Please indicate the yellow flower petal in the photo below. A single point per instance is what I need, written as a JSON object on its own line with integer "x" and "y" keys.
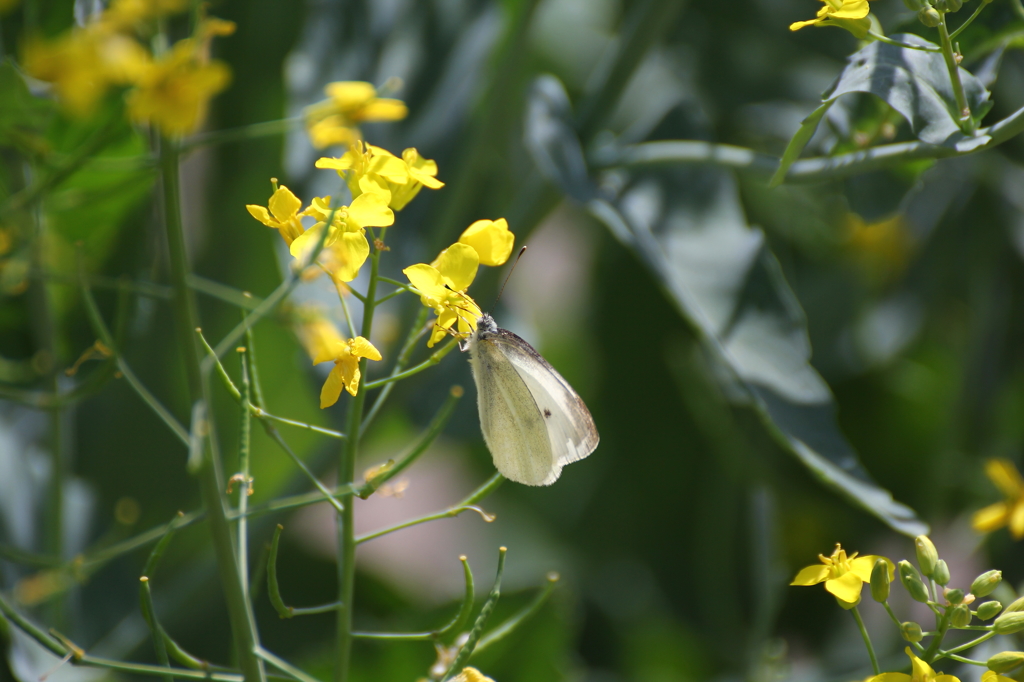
{"x": 370, "y": 210}
{"x": 348, "y": 255}
{"x": 852, "y": 9}
{"x": 422, "y": 170}
{"x": 458, "y": 265}
{"x": 991, "y": 517}
{"x": 331, "y": 390}
{"x": 350, "y": 94}
{"x": 1017, "y": 520}
{"x": 951, "y": 678}
{"x": 362, "y": 348}
{"x": 890, "y": 677}
{"x": 846, "y": 587}
{"x": 350, "y": 373}
{"x": 427, "y": 280}
{"x": 920, "y": 671}
{"x": 283, "y": 204}
{"x": 491, "y": 239}
{"x": 987, "y": 676}
{"x": 302, "y": 246}
{"x": 384, "y": 109}
{"x": 863, "y": 565}
{"x": 797, "y": 25}
{"x": 812, "y": 575}
{"x": 471, "y": 675}
{"x": 1004, "y": 475}
{"x": 261, "y": 214}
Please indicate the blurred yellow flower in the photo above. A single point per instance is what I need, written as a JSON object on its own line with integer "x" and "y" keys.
{"x": 283, "y": 215}
{"x": 367, "y": 168}
{"x": 336, "y": 120}
{"x": 345, "y": 373}
{"x": 849, "y": 14}
{"x": 174, "y": 92}
{"x": 843, "y": 576}
{"x": 471, "y": 675}
{"x": 993, "y": 676}
{"x": 491, "y": 239}
{"x": 345, "y": 245}
{"x": 442, "y": 287}
{"x": 920, "y": 672}
{"x": 883, "y": 248}
{"x": 1010, "y": 512}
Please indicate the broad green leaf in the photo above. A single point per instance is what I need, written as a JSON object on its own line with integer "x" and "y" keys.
{"x": 688, "y": 227}
{"x": 914, "y": 83}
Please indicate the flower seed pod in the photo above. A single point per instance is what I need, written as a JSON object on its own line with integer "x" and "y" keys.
{"x": 954, "y": 596}
{"x": 880, "y": 581}
{"x": 1015, "y": 605}
{"x": 1009, "y": 623}
{"x": 927, "y": 556}
{"x": 985, "y": 583}
{"x": 941, "y": 574}
{"x": 989, "y": 610}
{"x": 929, "y": 17}
{"x": 912, "y": 582}
{"x": 960, "y": 616}
{"x": 911, "y": 631}
{"x": 1006, "y": 661}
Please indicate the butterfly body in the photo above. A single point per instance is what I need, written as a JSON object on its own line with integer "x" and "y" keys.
{"x": 533, "y": 421}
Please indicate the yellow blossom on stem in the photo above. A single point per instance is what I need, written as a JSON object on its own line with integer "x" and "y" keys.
{"x": 174, "y": 92}
{"x": 367, "y": 168}
{"x": 844, "y": 576}
{"x": 491, "y": 239}
{"x": 345, "y": 246}
{"x": 283, "y": 215}
{"x": 336, "y": 120}
{"x": 471, "y": 675}
{"x": 345, "y": 373}
{"x": 849, "y": 14}
{"x": 992, "y": 676}
{"x": 442, "y": 287}
{"x": 1010, "y": 512}
{"x": 920, "y": 672}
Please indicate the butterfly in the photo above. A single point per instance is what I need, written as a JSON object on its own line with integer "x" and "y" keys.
{"x": 533, "y": 422}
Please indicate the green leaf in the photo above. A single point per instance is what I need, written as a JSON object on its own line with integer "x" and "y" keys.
{"x": 21, "y": 113}
{"x": 687, "y": 226}
{"x": 799, "y": 141}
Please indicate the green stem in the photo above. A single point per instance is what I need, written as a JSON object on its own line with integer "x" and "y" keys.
{"x": 965, "y": 119}
{"x": 867, "y": 638}
{"x": 481, "y": 620}
{"x": 346, "y": 475}
{"x": 506, "y": 628}
{"x": 981, "y": 6}
{"x": 253, "y": 131}
{"x": 245, "y": 484}
{"x": 1018, "y": 8}
{"x": 417, "y": 330}
{"x": 449, "y": 513}
{"x": 961, "y": 659}
{"x": 936, "y": 643}
{"x": 974, "y": 642}
{"x": 243, "y": 625}
{"x": 889, "y": 41}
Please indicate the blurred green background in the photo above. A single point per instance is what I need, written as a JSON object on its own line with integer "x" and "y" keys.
{"x": 676, "y": 539}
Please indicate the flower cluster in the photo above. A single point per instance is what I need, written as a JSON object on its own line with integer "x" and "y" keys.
{"x": 849, "y": 14}
{"x": 170, "y": 91}
{"x": 335, "y": 121}
{"x": 929, "y": 583}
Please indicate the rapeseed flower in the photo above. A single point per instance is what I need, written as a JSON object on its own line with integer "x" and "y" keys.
{"x": 920, "y": 672}
{"x": 283, "y": 214}
{"x": 345, "y": 374}
{"x": 491, "y": 240}
{"x": 345, "y": 246}
{"x": 367, "y": 168}
{"x": 471, "y": 675}
{"x": 849, "y": 14}
{"x": 349, "y": 103}
{"x": 1010, "y": 512}
{"x": 442, "y": 287}
{"x": 844, "y": 576}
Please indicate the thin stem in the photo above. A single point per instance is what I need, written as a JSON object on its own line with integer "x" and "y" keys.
{"x": 242, "y": 299}
{"x": 243, "y": 625}
{"x": 974, "y": 642}
{"x": 284, "y": 666}
{"x": 961, "y": 659}
{"x": 515, "y": 621}
{"x": 481, "y": 620}
{"x": 399, "y": 636}
{"x": 446, "y": 514}
{"x": 867, "y": 638}
{"x": 981, "y": 6}
{"x": 249, "y": 132}
{"x": 245, "y": 483}
{"x": 260, "y": 413}
{"x": 967, "y": 123}
{"x": 889, "y": 41}
{"x": 417, "y": 330}
{"x": 936, "y": 643}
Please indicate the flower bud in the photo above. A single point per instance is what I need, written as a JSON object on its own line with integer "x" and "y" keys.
{"x": 912, "y": 582}
{"x": 960, "y": 617}
{"x": 989, "y": 610}
{"x": 1009, "y": 623}
{"x": 954, "y": 596}
{"x": 1015, "y": 605}
{"x": 929, "y": 17}
{"x": 941, "y": 574}
{"x": 949, "y": 5}
{"x": 985, "y": 583}
{"x": 913, "y": 5}
{"x": 1005, "y": 661}
{"x": 911, "y": 631}
{"x": 927, "y": 555}
{"x": 880, "y": 580}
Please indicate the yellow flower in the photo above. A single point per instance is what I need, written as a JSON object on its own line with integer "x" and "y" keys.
{"x": 471, "y": 675}
{"x": 345, "y": 373}
{"x": 283, "y": 215}
{"x": 173, "y": 93}
{"x": 349, "y": 103}
{"x": 345, "y": 246}
{"x": 849, "y": 14}
{"x": 843, "y": 576}
{"x": 992, "y": 676}
{"x": 491, "y": 240}
{"x": 442, "y": 286}
{"x": 367, "y": 168}
{"x": 920, "y": 672}
{"x": 1010, "y": 512}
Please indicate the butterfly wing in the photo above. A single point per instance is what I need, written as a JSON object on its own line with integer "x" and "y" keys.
{"x": 570, "y": 427}
{"x": 512, "y": 424}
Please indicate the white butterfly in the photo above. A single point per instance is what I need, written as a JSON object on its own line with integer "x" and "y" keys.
{"x": 533, "y": 422}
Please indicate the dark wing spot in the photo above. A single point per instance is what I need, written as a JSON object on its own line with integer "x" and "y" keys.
{"x": 547, "y": 412}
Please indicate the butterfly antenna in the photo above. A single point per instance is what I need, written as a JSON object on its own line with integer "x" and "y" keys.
{"x": 508, "y": 276}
